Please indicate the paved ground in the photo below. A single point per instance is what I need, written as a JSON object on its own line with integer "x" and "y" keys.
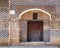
{"x": 30, "y": 47}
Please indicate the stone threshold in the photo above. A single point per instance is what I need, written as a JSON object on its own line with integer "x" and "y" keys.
{"x": 35, "y": 43}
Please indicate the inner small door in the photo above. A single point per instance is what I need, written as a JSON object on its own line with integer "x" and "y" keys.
{"x": 35, "y": 31}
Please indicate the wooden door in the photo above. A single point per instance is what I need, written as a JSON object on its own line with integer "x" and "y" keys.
{"x": 35, "y": 31}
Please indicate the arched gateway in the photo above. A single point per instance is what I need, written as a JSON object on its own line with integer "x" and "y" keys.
{"x": 32, "y": 25}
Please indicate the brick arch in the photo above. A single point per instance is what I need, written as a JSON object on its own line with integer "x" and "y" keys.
{"x": 20, "y": 15}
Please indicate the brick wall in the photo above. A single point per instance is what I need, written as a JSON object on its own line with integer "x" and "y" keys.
{"x": 51, "y": 6}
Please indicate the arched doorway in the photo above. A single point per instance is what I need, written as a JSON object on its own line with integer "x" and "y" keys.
{"x": 33, "y": 24}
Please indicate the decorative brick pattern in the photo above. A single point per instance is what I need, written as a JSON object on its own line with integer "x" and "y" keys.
{"x": 23, "y": 5}
{"x": 4, "y": 33}
{"x": 4, "y": 13}
{"x": 4, "y": 18}
{"x": 4, "y": 26}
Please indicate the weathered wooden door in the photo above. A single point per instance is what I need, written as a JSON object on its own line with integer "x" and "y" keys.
{"x": 35, "y": 31}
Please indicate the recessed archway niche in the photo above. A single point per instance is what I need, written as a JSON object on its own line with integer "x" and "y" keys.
{"x": 27, "y": 17}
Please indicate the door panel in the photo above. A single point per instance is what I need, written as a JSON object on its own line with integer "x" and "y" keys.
{"x": 35, "y": 31}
